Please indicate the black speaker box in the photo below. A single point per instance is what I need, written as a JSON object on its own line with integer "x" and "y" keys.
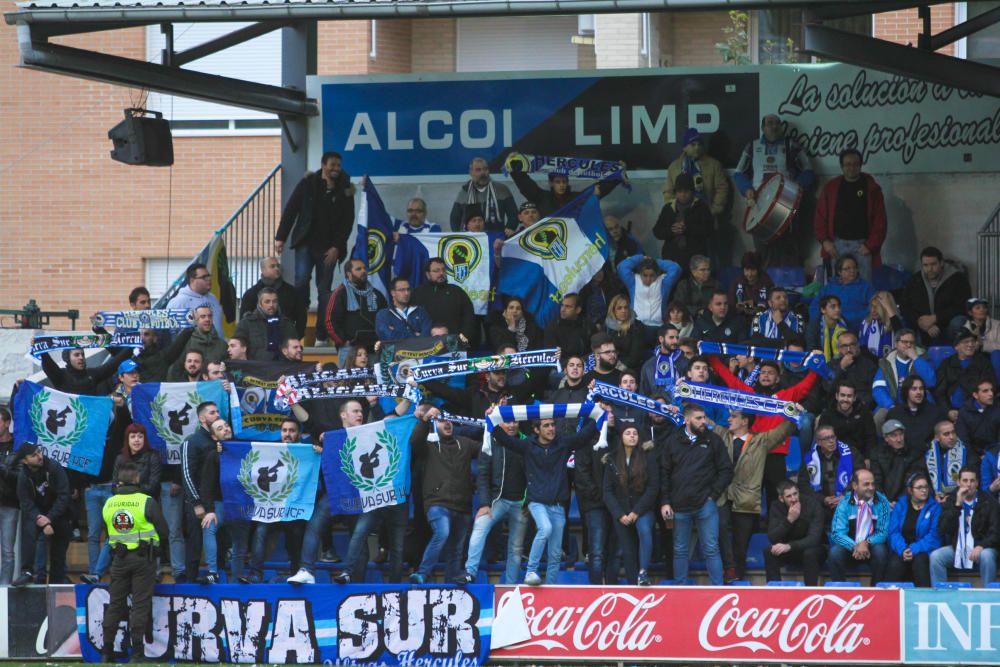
{"x": 142, "y": 138}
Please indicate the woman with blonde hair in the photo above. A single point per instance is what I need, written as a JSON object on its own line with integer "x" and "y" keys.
{"x": 626, "y": 332}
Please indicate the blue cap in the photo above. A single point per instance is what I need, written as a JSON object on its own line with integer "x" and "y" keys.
{"x": 127, "y": 366}
{"x": 691, "y": 134}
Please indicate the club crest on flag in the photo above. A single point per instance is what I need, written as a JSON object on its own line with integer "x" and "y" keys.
{"x": 269, "y": 475}
{"x": 546, "y": 239}
{"x": 376, "y": 250}
{"x": 374, "y": 468}
{"x": 173, "y": 416}
{"x": 461, "y": 256}
{"x": 57, "y": 419}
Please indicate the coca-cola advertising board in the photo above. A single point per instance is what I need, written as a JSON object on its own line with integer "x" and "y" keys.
{"x": 797, "y": 625}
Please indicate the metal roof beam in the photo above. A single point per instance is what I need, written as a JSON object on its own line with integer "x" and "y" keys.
{"x": 168, "y": 80}
{"x": 848, "y": 10}
{"x": 955, "y": 33}
{"x": 225, "y": 41}
{"x": 904, "y": 60}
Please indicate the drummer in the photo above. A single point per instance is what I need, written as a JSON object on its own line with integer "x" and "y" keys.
{"x": 773, "y": 153}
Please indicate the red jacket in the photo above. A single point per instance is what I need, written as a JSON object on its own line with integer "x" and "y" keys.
{"x": 764, "y": 423}
{"x": 826, "y": 209}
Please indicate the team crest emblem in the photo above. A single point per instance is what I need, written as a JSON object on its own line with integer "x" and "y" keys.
{"x": 374, "y": 468}
{"x": 122, "y": 521}
{"x": 57, "y": 419}
{"x": 546, "y": 240}
{"x": 376, "y": 251}
{"x": 461, "y": 256}
{"x": 268, "y": 478}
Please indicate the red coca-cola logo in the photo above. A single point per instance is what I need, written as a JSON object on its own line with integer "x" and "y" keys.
{"x": 705, "y": 623}
{"x": 821, "y": 623}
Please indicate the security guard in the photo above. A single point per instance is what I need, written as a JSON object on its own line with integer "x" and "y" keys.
{"x": 136, "y": 529}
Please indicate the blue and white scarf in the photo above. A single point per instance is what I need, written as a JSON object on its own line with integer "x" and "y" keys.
{"x": 946, "y": 480}
{"x": 864, "y": 523}
{"x": 302, "y": 379}
{"x": 43, "y": 344}
{"x": 812, "y": 361}
{"x": 965, "y": 543}
{"x": 626, "y": 397}
{"x": 463, "y": 420}
{"x": 693, "y": 169}
{"x": 571, "y": 167}
{"x": 520, "y": 413}
{"x": 876, "y": 337}
{"x": 665, "y": 370}
{"x": 735, "y": 399}
{"x": 174, "y": 318}
{"x": 845, "y": 468}
{"x": 313, "y": 391}
{"x": 498, "y": 362}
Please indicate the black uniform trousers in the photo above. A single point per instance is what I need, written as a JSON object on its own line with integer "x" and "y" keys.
{"x": 132, "y": 572}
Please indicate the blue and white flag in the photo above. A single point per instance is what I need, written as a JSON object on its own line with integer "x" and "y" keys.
{"x": 71, "y": 429}
{"x": 268, "y": 481}
{"x": 367, "y": 467}
{"x": 556, "y": 256}
{"x": 468, "y": 262}
{"x": 374, "y": 243}
{"x": 168, "y": 410}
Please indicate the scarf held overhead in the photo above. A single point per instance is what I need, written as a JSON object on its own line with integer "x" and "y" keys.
{"x": 314, "y": 391}
{"x": 175, "y": 318}
{"x": 812, "y": 361}
{"x": 496, "y": 362}
{"x": 735, "y": 399}
{"x": 42, "y": 345}
{"x": 626, "y": 397}
{"x": 509, "y": 413}
{"x": 571, "y": 167}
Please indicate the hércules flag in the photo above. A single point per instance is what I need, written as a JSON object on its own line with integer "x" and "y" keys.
{"x": 168, "y": 410}
{"x": 268, "y": 481}
{"x": 556, "y": 256}
{"x": 468, "y": 262}
{"x": 72, "y": 429}
{"x": 374, "y": 243}
{"x": 367, "y": 467}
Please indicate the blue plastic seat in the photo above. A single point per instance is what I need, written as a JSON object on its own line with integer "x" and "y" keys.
{"x": 843, "y": 584}
{"x": 787, "y": 276}
{"x": 755, "y": 552}
{"x": 894, "y": 584}
{"x": 953, "y": 585}
{"x": 938, "y": 353}
{"x": 787, "y": 584}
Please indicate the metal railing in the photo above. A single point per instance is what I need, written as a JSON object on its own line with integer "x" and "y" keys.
{"x": 248, "y": 235}
{"x": 988, "y": 266}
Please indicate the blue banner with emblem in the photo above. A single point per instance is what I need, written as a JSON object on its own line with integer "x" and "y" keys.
{"x": 374, "y": 244}
{"x": 168, "y": 410}
{"x": 70, "y": 428}
{"x": 327, "y": 624}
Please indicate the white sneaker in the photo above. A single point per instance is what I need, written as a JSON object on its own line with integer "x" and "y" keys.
{"x": 303, "y": 576}
{"x": 532, "y": 579}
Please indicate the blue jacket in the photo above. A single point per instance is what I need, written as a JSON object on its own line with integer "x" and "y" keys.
{"x": 841, "y": 530}
{"x": 854, "y": 299}
{"x": 928, "y": 538}
{"x": 886, "y": 396}
{"x": 671, "y": 273}
{"x": 988, "y": 470}
{"x": 390, "y": 326}
{"x": 546, "y": 466}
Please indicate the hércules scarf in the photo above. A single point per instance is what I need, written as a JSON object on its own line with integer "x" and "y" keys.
{"x": 497, "y": 362}
{"x": 965, "y": 542}
{"x": 45, "y": 343}
{"x": 626, "y": 397}
{"x": 508, "y": 413}
{"x": 665, "y": 368}
{"x": 944, "y": 481}
{"x": 735, "y": 399}
{"x": 570, "y": 167}
{"x": 845, "y": 467}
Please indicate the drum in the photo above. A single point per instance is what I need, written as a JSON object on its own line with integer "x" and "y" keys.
{"x": 777, "y": 203}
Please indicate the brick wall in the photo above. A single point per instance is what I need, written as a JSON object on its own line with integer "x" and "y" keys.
{"x": 689, "y": 38}
{"x": 903, "y": 26}
{"x": 433, "y": 45}
{"x": 342, "y": 47}
{"x": 618, "y": 40}
{"x": 76, "y": 224}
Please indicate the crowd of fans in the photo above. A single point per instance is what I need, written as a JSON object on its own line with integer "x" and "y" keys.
{"x": 898, "y": 461}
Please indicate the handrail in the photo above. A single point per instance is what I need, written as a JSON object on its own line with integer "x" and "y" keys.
{"x": 988, "y": 266}
{"x": 248, "y": 235}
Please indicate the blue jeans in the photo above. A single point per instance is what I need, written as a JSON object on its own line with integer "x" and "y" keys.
{"x": 98, "y": 551}
{"x": 8, "y": 535}
{"x": 944, "y": 557}
{"x": 707, "y": 517}
{"x": 238, "y": 535}
{"x": 173, "y": 513}
{"x": 840, "y": 559}
{"x": 549, "y": 521}
{"x": 319, "y": 524}
{"x": 516, "y": 525}
{"x": 305, "y": 264}
{"x": 294, "y": 532}
{"x": 396, "y": 518}
{"x": 448, "y": 532}
{"x": 598, "y": 547}
{"x": 637, "y": 545}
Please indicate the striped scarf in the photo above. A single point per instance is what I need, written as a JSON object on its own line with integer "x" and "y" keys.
{"x": 631, "y": 399}
{"x": 520, "y": 413}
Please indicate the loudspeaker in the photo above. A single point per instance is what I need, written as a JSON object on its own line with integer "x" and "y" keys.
{"x": 142, "y": 138}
